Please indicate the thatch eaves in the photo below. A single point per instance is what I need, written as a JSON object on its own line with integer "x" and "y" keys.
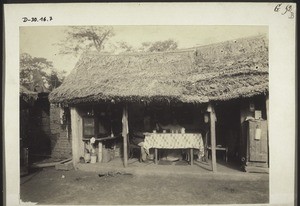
{"x": 222, "y": 71}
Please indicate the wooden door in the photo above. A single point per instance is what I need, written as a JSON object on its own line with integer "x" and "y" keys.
{"x": 258, "y": 145}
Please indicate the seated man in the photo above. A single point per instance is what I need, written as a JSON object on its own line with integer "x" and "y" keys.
{"x": 138, "y": 138}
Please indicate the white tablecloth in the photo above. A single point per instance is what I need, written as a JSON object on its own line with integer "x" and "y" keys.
{"x": 174, "y": 141}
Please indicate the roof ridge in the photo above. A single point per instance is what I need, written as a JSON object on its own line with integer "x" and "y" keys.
{"x": 181, "y": 50}
{"x": 224, "y": 42}
{"x": 135, "y": 53}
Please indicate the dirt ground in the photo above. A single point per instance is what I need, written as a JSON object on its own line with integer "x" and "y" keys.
{"x": 49, "y": 186}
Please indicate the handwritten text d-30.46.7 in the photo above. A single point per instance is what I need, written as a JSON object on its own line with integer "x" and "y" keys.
{"x": 37, "y": 19}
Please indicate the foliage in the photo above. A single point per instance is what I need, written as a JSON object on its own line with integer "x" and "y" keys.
{"x": 84, "y": 38}
{"x": 159, "y": 46}
{"x": 125, "y": 46}
{"x": 38, "y": 71}
{"x": 88, "y": 38}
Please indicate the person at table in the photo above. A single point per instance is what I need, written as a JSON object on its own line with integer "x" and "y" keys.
{"x": 172, "y": 127}
{"x": 138, "y": 137}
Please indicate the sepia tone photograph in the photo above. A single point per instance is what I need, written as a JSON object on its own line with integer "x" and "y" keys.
{"x": 150, "y": 104}
{"x": 144, "y": 114}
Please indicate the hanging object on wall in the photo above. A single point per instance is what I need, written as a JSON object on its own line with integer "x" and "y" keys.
{"x": 90, "y": 112}
{"x": 209, "y": 109}
{"x": 61, "y": 115}
{"x": 206, "y": 117}
{"x": 251, "y": 107}
{"x": 257, "y": 133}
{"x": 257, "y": 114}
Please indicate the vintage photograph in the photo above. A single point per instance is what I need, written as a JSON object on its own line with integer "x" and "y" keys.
{"x": 144, "y": 114}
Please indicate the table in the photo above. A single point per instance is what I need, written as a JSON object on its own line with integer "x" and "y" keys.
{"x": 225, "y": 149}
{"x": 174, "y": 141}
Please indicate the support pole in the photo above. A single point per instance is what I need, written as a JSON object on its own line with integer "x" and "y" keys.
{"x": 77, "y": 143}
{"x": 267, "y": 108}
{"x": 100, "y": 151}
{"x": 213, "y": 136}
{"x": 192, "y": 156}
{"x": 125, "y": 134}
{"x": 156, "y": 155}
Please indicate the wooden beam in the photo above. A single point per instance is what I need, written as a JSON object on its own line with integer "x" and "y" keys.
{"x": 100, "y": 151}
{"x": 267, "y": 112}
{"x": 156, "y": 155}
{"x": 125, "y": 134}
{"x": 213, "y": 137}
{"x": 192, "y": 156}
{"x": 267, "y": 108}
{"x": 77, "y": 143}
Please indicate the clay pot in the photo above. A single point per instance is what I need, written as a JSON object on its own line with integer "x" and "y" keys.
{"x": 93, "y": 159}
{"x": 87, "y": 157}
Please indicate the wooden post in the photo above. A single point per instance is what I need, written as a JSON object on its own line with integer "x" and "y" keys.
{"x": 125, "y": 134}
{"x": 192, "y": 156}
{"x": 267, "y": 112}
{"x": 267, "y": 108}
{"x": 100, "y": 151}
{"x": 77, "y": 143}
{"x": 213, "y": 136}
{"x": 156, "y": 155}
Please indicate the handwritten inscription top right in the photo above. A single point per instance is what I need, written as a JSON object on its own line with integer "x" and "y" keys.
{"x": 287, "y": 10}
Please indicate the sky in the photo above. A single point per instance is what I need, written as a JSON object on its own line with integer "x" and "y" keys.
{"x": 40, "y": 41}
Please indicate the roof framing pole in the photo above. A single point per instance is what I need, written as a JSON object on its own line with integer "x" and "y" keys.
{"x": 212, "y": 114}
{"x": 125, "y": 133}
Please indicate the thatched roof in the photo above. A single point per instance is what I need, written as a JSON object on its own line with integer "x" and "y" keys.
{"x": 222, "y": 71}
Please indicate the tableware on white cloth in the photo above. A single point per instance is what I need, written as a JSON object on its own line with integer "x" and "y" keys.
{"x": 182, "y": 130}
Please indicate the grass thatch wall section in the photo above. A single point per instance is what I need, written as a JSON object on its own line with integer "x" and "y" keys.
{"x": 220, "y": 71}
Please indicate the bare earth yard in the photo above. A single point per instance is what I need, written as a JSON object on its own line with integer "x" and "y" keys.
{"x": 49, "y": 186}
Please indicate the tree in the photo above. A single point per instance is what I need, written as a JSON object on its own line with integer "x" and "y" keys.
{"x": 125, "y": 47}
{"x": 84, "y": 38}
{"x": 159, "y": 46}
{"x": 56, "y": 78}
{"x": 39, "y": 72}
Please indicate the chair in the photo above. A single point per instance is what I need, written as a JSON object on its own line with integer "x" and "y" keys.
{"x": 207, "y": 147}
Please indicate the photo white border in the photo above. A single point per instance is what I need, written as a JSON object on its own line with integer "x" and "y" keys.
{"x": 281, "y": 67}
